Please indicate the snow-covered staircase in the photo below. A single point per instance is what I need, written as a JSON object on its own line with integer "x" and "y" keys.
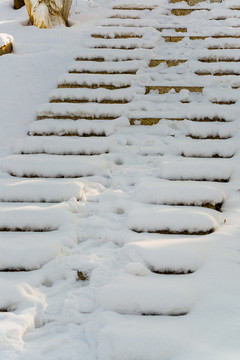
{"x": 151, "y": 197}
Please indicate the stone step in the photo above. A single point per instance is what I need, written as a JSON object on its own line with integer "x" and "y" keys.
{"x": 218, "y": 73}
{"x": 184, "y": 12}
{"x": 145, "y": 296}
{"x": 155, "y": 120}
{"x": 109, "y": 55}
{"x": 219, "y": 44}
{"x": 136, "y": 7}
{"x": 156, "y": 191}
{"x": 139, "y": 23}
{"x": 129, "y": 35}
{"x": 106, "y": 67}
{"x": 102, "y": 96}
{"x": 209, "y": 155}
{"x": 163, "y": 219}
{"x": 43, "y": 247}
{"x": 221, "y": 96}
{"x": 122, "y": 44}
{"x": 214, "y": 59}
{"x": 209, "y": 137}
{"x": 169, "y": 63}
{"x": 93, "y": 81}
{"x": 214, "y": 130}
{"x": 191, "y": 2}
{"x": 39, "y": 190}
{"x": 166, "y": 89}
{"x": 176, "y": 39}
{"x": 176, "y": 29}
{"x": 81, "y": 128}
{"x": 216, "y": 68}
{"x": 64, "y": 145}
{"x": 54, "y": 166}
{"x": 33, "y": 218}
{"x": 190, "y": 148}
{"x": 119, "y": 15}
{"x": 164, "y": 257}
{"x": 184, "y": 169}
{"x": 76, "y": 111}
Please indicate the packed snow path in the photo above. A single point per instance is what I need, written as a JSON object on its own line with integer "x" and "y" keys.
{"x": 118, "y": 240}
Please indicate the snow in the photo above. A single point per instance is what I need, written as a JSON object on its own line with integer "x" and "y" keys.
{"x": 112, "y": 219}
{"x": 5, "y": 39}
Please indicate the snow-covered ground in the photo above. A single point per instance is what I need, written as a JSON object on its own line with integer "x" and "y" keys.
{"x": 116, "y": 267}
